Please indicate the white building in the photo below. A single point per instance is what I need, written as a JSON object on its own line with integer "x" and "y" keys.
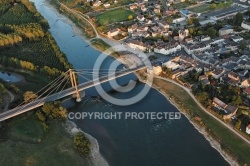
{"x": 157, "y": 70}
{"x": 245, "y": 25}
{"x": 225, "y": 31}
{"x": 248, "y": 129}
{"x": 245, "y": 83}
{"x": 135, "y": 44}
{"x": 171, "y": 65}
{"x": 178, "y": 20}
{"x": 113, "y": 32}
{"x": 167, "y": 49}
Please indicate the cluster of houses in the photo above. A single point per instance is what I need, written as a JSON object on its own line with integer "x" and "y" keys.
{"x": 201, "y": 53}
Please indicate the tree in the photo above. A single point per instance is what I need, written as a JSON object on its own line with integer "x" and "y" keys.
{"x": 196, "y": 22}
{"x": 29, "y": 96}
{"x": 238, "y": 18}
{"x": 211, "y": 32}
{"x": 169, "y": 20}
{"x": 237, "y": 101}
{"x": 191, "y": 31}
{"x": 189, "y": 22}
{"x": 238, "y": 124}
{"x": 54, "y": 110}
{"x": 130, "y": 17}
{"x": 213, "y": 6}
{"x": 82, "y": 144}
{"x": 2, "y": 89}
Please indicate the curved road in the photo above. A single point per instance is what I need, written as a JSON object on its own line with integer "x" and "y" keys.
{"x": 204, "y": 109}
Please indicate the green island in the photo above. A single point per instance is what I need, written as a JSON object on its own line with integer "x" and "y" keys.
{"x": 28, "y": 49}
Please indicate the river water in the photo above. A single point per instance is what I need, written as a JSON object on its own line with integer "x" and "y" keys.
{"x": 131, "y": 142}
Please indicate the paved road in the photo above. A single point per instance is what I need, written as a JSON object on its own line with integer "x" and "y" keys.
{"x": 204, "y": 109}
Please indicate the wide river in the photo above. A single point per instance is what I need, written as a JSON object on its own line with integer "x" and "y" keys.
{"x": 131, "y": 142}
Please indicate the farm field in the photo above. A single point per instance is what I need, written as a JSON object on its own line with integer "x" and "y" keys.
{"x": 113, "y": 16}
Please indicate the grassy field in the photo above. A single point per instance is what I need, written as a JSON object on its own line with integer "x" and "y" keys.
{"x": 23, "y": 149}
{"x": 229, "y": 141}
{"x": 112, "y": 16}
{"x": 100, "y": 45}
{"x": 181, "y": 5}
{"x": 200, "y": 9}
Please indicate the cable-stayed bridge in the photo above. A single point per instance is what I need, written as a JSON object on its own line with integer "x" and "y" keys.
{"x": 57, "y": 88}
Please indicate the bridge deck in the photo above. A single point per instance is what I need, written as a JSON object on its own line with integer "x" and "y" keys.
{"x": 67, "y": 92}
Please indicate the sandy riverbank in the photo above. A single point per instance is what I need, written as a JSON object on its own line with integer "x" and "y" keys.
{"x": 95, "y": 158}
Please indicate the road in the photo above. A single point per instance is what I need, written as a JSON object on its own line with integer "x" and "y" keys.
{"x": 204, "y": 109}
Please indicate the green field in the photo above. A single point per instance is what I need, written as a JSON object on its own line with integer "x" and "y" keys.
{"x": 112, "y": 16}
{"x": 181, "y": 5}
{"x": 23, "y": 149}
{"x": 229, "y": 141}
{"x": 200, "y": 9}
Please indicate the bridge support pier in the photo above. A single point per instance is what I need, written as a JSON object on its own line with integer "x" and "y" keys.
{"x": 74, "y": 85}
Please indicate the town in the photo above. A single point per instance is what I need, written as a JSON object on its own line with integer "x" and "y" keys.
{"x": 208, "y": 41}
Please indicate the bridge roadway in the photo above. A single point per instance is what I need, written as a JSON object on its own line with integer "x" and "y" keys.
{"x": 37, "y": 103}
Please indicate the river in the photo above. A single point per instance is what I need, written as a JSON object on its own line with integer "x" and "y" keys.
{"x": 131, "y": 142}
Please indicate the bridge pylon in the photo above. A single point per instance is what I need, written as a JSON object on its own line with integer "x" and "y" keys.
{"x": 74, "y": 84}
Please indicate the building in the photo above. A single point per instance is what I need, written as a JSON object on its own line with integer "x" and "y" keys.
{"x": 136, "y": 44}
{"x": 167, "y": 48}
{"x": 233, "y": 76}
{"x": 133, "y": 28}
{"x": 217, "y": 73}
{"x": 247, "y": 92}
{"x": 245, "y": 25}
{"x": 218, "y": 103}
{"x": 106, "y": 5}
{"x": 248, "y": 129}
{"x": 171, "y": 65}
{"x": 245, "y": 83}
{"x": 225, "y": 31}
{"x": 133, "y": 7}
{"x": 97, "y": 3}
{"x": 157, "y": 70}
{"x": 230, "y": 111}
{"x": 140, "y": 18}
{"x": 163, "y": 24}
{"x": 113, "y": 32}
{"x": 237, "y": 38}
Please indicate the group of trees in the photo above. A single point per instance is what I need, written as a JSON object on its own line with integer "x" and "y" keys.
{"x": 25, "y": 42}
{"x": 224, "y": 92}
{"x": 221, "y": 5}
{"x": 49, "y": 111}
{"x": 194, "y": 21}
{"x": 82, "y": 144}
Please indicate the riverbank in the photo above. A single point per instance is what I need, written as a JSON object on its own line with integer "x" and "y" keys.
{"x": 107, "y": 45}
{"x": 214, "y": 143}
{"x": 232, "y": 148}
{"x": 95, "y": 158}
